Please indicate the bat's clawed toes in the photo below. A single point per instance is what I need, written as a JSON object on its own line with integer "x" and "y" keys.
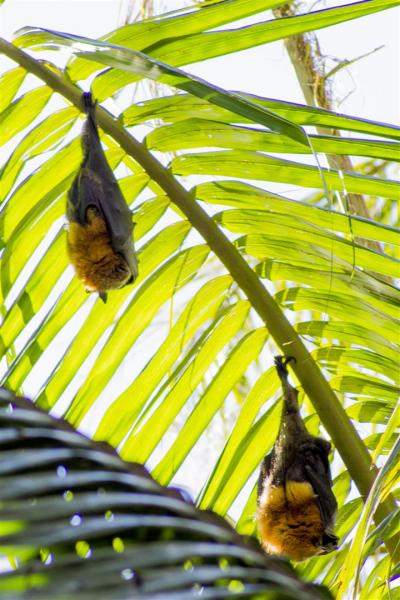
{"x": 289, "y": 359}
{"x": 87, "y": 100}
{"x": 281, "y": 363}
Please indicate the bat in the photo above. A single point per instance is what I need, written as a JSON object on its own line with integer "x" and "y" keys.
{"x": 100, "y": 228}
{"x": 296, "y": 506}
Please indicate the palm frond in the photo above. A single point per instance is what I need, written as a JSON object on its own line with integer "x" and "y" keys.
{"x": 76, "y": 521}
{"x": 171, "y": 352}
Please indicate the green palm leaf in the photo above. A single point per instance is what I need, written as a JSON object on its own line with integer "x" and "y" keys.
{"x": 152, "y": 370}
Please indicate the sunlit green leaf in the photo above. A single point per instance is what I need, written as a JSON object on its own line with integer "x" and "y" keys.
{"x": 143, "y": 441}
{"x": 210, "y": 402}
{"x": 200, "y": 133}
{"x": 352, "y": 566}
{"x": 20, "y": 113}
{"x": 42, "y": 138}
{"x": 144, "y": 34}
{"x": 244, "y": 196}
{"x": 145, "y": 66}
{"x": 253, "y": 165}
{"x": 171, "y": 109}
{"x": 154, "y": 253}
{"x": 10, "y": 82}
{"x": 265, "y": 387}
{"x": 208, "y": 45}
{"x": 123, "y": 413}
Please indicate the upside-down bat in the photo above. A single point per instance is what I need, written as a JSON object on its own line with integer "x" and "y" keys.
{"x": 99, "y": 240}
{"x": 296, "y": 505}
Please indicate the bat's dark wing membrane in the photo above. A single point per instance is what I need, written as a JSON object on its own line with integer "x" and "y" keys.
{"x": 86, "y": 191}
{"x": 264, "y": 472}
{"x": 317, "y": 471}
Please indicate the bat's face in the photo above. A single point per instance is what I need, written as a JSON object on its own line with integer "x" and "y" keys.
{"x": 329, "y": 543}
{"x": 111, "y": 273}
{"x": 94, "y": 284}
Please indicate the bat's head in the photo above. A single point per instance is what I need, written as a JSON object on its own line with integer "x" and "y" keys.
{"x": 329, "y": 543}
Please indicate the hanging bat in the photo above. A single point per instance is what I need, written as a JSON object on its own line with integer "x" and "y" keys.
{"x": 296, "y": 505}
{"x": 99, "y": 240}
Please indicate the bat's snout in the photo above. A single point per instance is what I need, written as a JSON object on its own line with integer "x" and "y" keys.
{"x": 329, "y": 543}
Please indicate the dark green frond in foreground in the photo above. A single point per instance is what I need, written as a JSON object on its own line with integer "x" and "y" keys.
{"x": 76, "y": 521}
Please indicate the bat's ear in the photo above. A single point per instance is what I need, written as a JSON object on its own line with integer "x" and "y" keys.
{"x": 103, "y": 296}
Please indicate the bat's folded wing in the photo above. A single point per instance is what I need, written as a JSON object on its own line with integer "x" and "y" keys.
{"x": 319, "y": 477}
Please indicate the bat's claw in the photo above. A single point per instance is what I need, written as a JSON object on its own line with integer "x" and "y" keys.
{"x": 88, "y": 100}
{"x": 281, "y": 365}
{"x": 103, "y": 296}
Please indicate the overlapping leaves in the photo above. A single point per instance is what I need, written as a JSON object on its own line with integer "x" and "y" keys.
{"x": 183, "y": 338}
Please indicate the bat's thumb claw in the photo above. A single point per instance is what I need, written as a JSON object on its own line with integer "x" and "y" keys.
{"x": 103, "y": 296}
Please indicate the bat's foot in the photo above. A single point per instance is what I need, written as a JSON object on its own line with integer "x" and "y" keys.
{"x": 281, "y": 365}
{"x": 88, "y": 102}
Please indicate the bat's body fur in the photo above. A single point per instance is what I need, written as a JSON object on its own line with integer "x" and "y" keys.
{"x": 99, "y": 240}
{"x": 296, "y": 506}
{"x": 289, "y": 521}
{"x": 91, "y": 254}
